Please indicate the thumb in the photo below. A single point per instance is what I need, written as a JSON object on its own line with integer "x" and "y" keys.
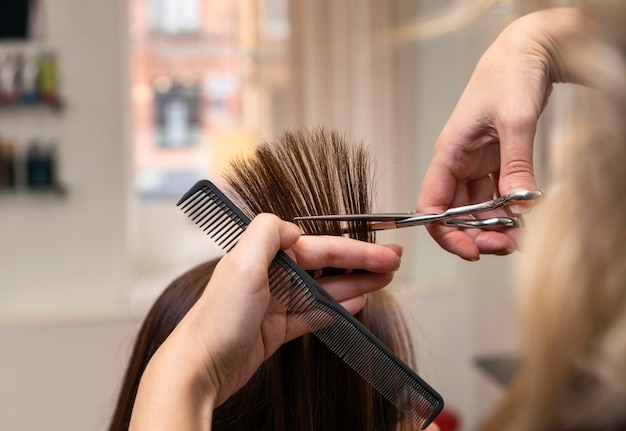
{"x": 516, "y": 166}
{"x": 265, "y": 235}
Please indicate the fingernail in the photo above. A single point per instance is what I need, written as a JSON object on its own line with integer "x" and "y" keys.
{"x": 520, "y": 209}
{"x": 396, "y": 248}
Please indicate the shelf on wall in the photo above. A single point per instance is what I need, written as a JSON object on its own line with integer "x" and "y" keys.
{"x": 59, "y": 190}
{"x": 55, "y": 105}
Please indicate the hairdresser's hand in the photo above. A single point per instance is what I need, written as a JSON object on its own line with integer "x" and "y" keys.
{"x": 236, "y": 325}
{"x": 486, "y": 147}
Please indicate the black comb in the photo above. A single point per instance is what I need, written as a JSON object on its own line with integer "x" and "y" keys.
{"x": 302, "y": 296}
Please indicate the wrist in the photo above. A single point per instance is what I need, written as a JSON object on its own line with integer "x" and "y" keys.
{"x": 552, "y": 34}
{"x": 172, "y": 394}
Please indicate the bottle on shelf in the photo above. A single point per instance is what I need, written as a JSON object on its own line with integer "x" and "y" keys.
{"x": 8, "y": 163}
{"x": 36, "y": 169}
{"x": 8, "y": 78}
{"x": 47, "y": 78}
{"x": 28, "y": 79}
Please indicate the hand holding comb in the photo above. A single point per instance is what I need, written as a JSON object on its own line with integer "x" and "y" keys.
{"x": 302, "y": 296}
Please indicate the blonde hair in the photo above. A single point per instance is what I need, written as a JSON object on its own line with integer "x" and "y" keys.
{"x": 573, "y": 282}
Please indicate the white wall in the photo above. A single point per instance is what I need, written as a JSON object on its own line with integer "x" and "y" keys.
{"x": 67, "y": 255}
{"x": 63, "y": 265}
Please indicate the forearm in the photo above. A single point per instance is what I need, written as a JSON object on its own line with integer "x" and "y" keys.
{"x": 171, "y": 396}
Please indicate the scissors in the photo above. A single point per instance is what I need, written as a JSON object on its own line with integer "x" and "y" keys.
{"x": 451, "y": 217}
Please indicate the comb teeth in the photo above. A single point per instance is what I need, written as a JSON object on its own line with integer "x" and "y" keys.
{"x": 302, "y": 296}
{"x": 205, "y": 205}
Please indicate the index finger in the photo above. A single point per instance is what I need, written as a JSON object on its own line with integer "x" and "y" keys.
{"x": 314, "y": 252}
{"x": 438, "y": 192}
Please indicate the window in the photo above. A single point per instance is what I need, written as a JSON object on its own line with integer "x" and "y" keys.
{"x": 175, "y": 16}
{"x": 207, "y": 77}
{"x": 194, "y": 77}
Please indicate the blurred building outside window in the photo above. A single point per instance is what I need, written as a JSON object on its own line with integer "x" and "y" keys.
{"x": 208, "y": 79}
{"x": 175, "y": 16}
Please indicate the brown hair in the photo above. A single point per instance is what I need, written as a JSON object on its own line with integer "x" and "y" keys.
{"x": 303, "y": 386}
{"x": 168, "y": 310}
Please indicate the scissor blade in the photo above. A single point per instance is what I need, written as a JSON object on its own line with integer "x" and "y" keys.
{"x": 358, "y": 217}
